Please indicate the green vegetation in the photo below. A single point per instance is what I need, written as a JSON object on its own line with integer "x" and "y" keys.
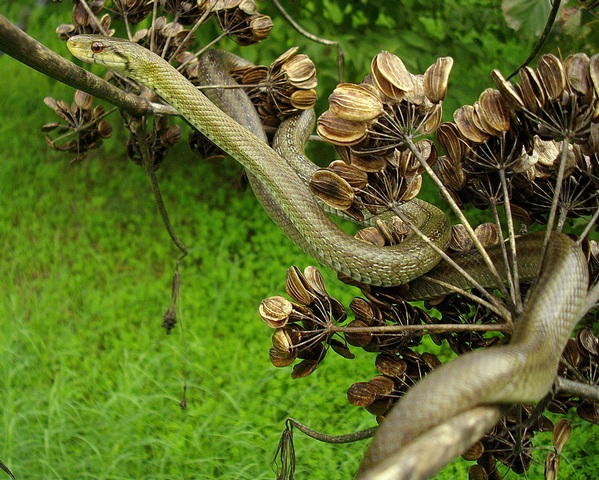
{"x": 90, "y": 384}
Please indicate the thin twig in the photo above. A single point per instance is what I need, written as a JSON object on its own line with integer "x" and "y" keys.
{"x": 323, "y": 437}
{"x": 456, "y": 209}
{"x": 542, "y": 39}
{"x": 22, "y": 47}
{"x": 571, "y": 387}
{"x": 435, "y": 328}
{"x": 314, "y": 38}
{"x": 140, "y": 132}
{"x": 499, "y": 309}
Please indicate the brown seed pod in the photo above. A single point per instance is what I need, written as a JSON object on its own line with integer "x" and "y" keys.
{"x": 281, "y": 359}
{"x": 332, "y": 189}
{"x": 383, "y": 384}
{"x": 275, "y": 311}
{"x": 510, "y": 93}
{"x": 361, "y": 394}
{"x": 391, "y": 75}
{"x": 297, "y": 287}
{"x": 578, "y": 77}
{"x": 391, "y": 365}
{"x": 436, "y": 78}
{"x": 339, "y": 131}
{"x": 355, "y": 102}
{"x": 467, "y": 126}
{"x": 551, "y": 74}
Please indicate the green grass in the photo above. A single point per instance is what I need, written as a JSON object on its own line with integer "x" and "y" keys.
{"x": 89, "y": 382}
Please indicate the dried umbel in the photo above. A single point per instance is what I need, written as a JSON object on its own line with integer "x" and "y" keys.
{"x": 164, "y": 37}
{"x": 302, "y": 327}
{"x": 520, "y": 135}
{"x": 282, "y": 89}
{"x": 399, "y": 372}
{"x": 132, "y": 11}
{"x": 85, "y": 20}
{"x": 82, "y": 127}
{"x": 374, "y": 124}
{"x": 155, "y": 142}
{"x": 241, "y": 21}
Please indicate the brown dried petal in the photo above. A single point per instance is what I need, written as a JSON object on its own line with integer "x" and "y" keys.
{"x": 561, "y": 433}
{"x": 390, "y": 365}
{"x": 281, "y": 341}
{"x": 533, "y": 93}
{"x": 281, "y": 359}
{"x": 589, "y": 412}
{"x": 383, "y": 384}
{"x": 303, "y": 99}
{"x": 371, "y": 235}
{"x": 315, "y": 280}
{"x": 341, "y": 349}
{"x": 355, "y": 102}
{"x": 304, "y": 368}
{"x": 474, "y": 452}
{"x": 297, "y": 287}
{"x": 551, "y": 73}
{"x": 460, "y": 239}
{"x": 493, "y": 112}
{"x": 104, "y": 129}
{"x": 260, "y": 25}
{"x": 488, "y": 234}
{"x": 451, "y": 142}
{"x": 588, "y": 342}
{"x": 355, "y": 177}
{"x": 362, "y": 310}
{"x": 436, "y": 78}
{"x": 452, "y": 175}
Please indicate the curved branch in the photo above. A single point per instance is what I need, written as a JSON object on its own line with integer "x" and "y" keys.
{"x": 25, "y": 49}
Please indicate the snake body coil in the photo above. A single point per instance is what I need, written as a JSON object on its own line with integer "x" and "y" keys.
{"x": 521, "y": 371}
{"x": 318, "y": 235}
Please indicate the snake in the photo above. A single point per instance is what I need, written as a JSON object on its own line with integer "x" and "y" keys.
{"x": 522, "y": 370}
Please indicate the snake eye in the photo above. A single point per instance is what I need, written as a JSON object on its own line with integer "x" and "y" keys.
{"x": 97, "y": 47}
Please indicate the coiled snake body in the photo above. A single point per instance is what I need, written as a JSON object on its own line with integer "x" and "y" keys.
{"x": 522, "y": 371}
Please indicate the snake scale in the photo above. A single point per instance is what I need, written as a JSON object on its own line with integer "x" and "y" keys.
{"x": 521, "y": 371}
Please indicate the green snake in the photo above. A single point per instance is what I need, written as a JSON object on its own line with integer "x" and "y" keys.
{"x": 521, "y": 371}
